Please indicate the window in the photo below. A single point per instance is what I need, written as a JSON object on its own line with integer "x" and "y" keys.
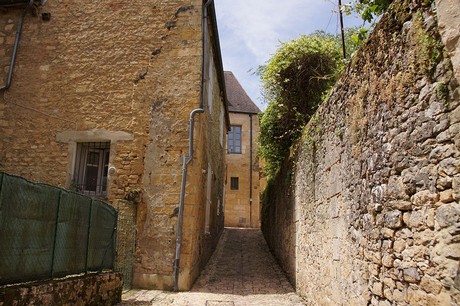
{"x": 234, "y": 140}
{"x": 91, "y": 168}
{"x": 234, "y": 183}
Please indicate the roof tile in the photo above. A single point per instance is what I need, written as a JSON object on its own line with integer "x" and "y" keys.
{"x": 238, "y": 99}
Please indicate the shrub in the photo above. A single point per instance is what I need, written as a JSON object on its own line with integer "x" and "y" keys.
{"x": 295, "y": 80}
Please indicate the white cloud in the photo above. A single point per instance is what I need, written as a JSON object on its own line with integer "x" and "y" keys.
{"x": 259, "y": 25}
{"x": 251, "y": 31}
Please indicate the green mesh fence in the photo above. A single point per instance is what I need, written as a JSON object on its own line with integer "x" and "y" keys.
{"x": 48, "y": 232}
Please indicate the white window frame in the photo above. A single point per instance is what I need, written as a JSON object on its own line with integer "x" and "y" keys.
{"x": 231, "y": 140}
{"x": 80, "y": 177}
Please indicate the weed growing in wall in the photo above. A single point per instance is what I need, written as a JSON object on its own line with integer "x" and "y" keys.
{"x": 442, "y": 91}
{"x": 429, "y": 48}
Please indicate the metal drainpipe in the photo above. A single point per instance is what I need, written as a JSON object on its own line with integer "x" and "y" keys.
{"x": 250, "y": 170}
{"x": 186, "y": 159}
{"x": 7, "y": 83}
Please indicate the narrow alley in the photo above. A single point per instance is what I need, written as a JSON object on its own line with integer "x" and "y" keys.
{"x": 241, "y": 272}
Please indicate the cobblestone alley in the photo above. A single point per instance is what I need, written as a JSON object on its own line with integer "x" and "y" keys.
{"x": 241, "y": 271}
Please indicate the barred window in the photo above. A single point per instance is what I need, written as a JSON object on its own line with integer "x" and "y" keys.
{"x": 234, "y": 139}
{"x": 91, "y": 168}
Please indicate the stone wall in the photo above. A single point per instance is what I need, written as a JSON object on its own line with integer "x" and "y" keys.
{"x": 449, "y": 28}
{"x": 124, "y": 72}
{"x": 239, "y": 211}
{"x": 367, "y": 211}
{"x": 279, "y": 221}
{"x": 100, "y": 289}
{"x": 203, "y": 213}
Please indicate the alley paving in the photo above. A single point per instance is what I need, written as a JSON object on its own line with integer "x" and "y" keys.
{"x": 241, "y": 272}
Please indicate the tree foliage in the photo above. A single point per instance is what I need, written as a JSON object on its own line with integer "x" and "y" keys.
{"x": 370, "y": 11}
{"x": 295, "y": 80}
{"x": 367, "y": 9}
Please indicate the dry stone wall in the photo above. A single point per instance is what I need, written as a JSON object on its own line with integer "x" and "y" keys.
{"x": 95, "y": 289}
{"x": 371, "y": 213}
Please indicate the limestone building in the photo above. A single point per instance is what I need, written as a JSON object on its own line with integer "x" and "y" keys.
{"x": 242, "y": 188}
{"x": 123, "y": 100}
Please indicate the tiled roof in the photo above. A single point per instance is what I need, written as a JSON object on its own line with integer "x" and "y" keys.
{"x": 238, "y": 99}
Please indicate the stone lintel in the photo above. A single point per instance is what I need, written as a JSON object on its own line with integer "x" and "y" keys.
{"x": 94, "y": 135}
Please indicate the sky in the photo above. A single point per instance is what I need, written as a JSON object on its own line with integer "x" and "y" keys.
{"x": 251, "y": 31}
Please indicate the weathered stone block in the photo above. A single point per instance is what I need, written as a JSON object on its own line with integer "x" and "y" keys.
{"x": 388, "y": 233}
{"x": 399, "y": 245}
{"x": 388, "y": 296}
{"x": 449, "y": 166}
{"x": 424, "y": 238}
{"x": 399, "y": 296}
{"x": 411, "y": 275}
{"x": 447, "y": 215}
{"x": 396, "y": 189}
{"x": 456, "y": 188}
{"x": 455, "y": 115}
{"x": 393, "y": 219}
{"x": 430, "y": 217}
{"x": 415, "y": 219}
{"x": 400, "y": 205}
{"x": 446, "y": 196}
{"x": 451, "y": 251}
{"x": 430, "y": 285}
{"x": 416, "y": 297}
{"x": 377, "y": 289}
{"x": 387, "y": 260}
{"x": 424, "y": 197}
{"x": 442, "y": 152}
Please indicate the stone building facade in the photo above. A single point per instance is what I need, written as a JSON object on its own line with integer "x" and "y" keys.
{"x": 242, "y": 188}
{"x": 367, "y": 212}
{"x": 100, "y": 101}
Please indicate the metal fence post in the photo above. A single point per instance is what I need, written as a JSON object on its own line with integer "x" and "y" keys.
{"x": 55, "y": 234}
{"x": 115, "y": 241}
{"x": 88, "y": 236}
{"x": 111, "y": 245}
{"x": 1, "y": 182}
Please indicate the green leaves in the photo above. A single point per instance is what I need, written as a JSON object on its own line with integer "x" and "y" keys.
{"x": 294, "y": 82}
{"x": 298, "y": 77}
{"x": 368, "y": 9}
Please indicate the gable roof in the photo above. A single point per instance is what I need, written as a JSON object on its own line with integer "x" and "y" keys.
{"x": 238, "y": 99}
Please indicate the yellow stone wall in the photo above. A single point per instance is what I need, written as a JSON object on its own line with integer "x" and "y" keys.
{"x": 238, "y": 209}
{"x": 125, "y": 72}
{"x": 201, "y": 235}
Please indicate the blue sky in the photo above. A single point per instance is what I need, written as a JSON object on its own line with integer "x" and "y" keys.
{"x": 251, "y": 31}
